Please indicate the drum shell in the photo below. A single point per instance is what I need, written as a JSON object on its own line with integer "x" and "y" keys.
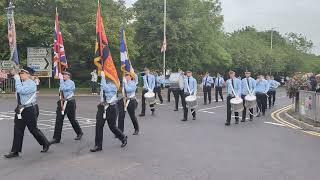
{"x": 174, "y": 80}
{"x": 236, "y": 105}
{"x": 150, "y": 97}
{"x": 250, "y": 101}
{"x": 191, "y": 101}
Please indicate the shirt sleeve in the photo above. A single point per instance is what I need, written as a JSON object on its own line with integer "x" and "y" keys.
{"x": 23, "y": 88}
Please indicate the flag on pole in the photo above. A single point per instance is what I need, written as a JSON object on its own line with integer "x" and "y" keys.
{"x": 103, "y": 59}
{"x": 126, "y": 66}
{"x": 164, "y": 44}
{"x": 60, "y": 60}
{"x": 12, "y": 35}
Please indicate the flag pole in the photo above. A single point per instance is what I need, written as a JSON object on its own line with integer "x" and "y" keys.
{"x": 164, "y": 35}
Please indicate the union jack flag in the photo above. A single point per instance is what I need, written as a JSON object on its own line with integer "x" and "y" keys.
{"x": 60, "y": 60}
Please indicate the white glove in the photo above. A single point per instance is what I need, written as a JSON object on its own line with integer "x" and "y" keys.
{"x": 60, "y": 76}
{"x": 102, "y": 74}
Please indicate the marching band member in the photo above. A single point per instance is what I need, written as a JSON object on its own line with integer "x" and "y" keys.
{"x": 207, "y": 82}
{"x": 218, "y": 85}
{"x": 129, "y": 103}
{"x": 262, "y": 88}
{"x": 179, "y": 91}
{"x": 233, "y": 91}
{"x": 148, "y": 86}
{"x": 190, "y": 88}
{"x": 26, "y": 113}
{"x": 248, "y": 85}
{"x": 107, "y": 111}
{"x": 157, "y": 88}
{"x": 67, "y": 88}
{"x": 273, "y": 85}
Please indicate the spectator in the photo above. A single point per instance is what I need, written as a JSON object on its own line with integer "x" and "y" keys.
{"x": 312, "y": 81}
{"x": 94, "y": 80}
{"x": 3, "y": 77}
{"x": 37, "y": 81}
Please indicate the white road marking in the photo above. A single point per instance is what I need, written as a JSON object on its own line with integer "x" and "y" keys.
{"x": 272, "y": 123}
{"x": 207, "y": 112}
{"x": 211, "y": 108}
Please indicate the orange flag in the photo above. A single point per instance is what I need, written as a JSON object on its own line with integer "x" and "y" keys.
{"x": 103, "y": 59}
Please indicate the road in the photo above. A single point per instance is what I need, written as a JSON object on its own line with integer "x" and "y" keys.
{"x": 166, "y": 149}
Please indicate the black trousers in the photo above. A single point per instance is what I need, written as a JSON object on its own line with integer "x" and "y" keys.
{"x": 169, "y": 92}
{"x": 143, "y": 109}
{"x": 207, "y": 93}
{"x": 219, "y": 91}
{"x": 229, "y": 110}
{"x": 272, "y": 97}
{"x": 176, "y": 94}
{"x": 262, "y": 102}
{"x": 157, "y": 91}
{"x": 111, "y": 117}
{"x": 29, "y": 119}
{"x": 93, "y": 87}
{"x": 70, "y": 111}
{"x": 185, "y": 109}
{"x": 244, "y": 112}
{"x": 132, "y": 106}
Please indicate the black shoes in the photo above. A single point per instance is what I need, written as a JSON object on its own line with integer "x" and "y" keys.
{"x": 243, "y": 120}
{"x": 194, "y": 118}
{"x": 152, "y": 113}
{"x": 184, "y": 119}
{"x": 142, "y": 114}
{"x": 227, "y": 124}
{"x": 96, "y": 149}
{"x": 79, "y": 136}
{"x": 124, "y": 142}
{"x": 54, "y": 141}
{"x": 175, "y": 110}
{"x": 45, "y": 148}
{"x": 237, "y": 122}
{"x": 135, "y": 133}
{"x": 11, "y": 155}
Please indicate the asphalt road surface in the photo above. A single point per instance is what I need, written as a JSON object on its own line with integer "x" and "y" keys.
{"x": 166, "y": 149}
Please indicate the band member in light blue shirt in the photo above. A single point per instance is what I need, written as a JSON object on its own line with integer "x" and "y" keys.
{"x": 26, "y": 113}
{"x": 273, "y": 85}
{"x": 157, "y": 88}
{"x": 148, "y": 86}
{"x": 248, "y": 85}
{"x": 261, "y": 90}
{"x": 207, "y": 82}
{"x": 219, "y": 83}
{"x": 190, "y": 88}
{"x": 66, "y": 105}
{"x": 233, "y": 88}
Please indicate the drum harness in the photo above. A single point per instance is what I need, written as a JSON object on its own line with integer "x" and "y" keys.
{"x": 251, "y": 92}
{"x": 150, "y": 90}
{"x": 188, "y": 87}
{"x": 235, "y": 94}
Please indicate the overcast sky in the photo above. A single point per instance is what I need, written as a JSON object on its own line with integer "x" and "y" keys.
{"x": 299, "y": 16}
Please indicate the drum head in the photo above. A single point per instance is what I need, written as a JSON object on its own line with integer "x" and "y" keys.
{"x": 149, "y": 95}
{"x": 191, "y": 98}
{"x": 250, "y": 97}
{"x": 236, "y": 101}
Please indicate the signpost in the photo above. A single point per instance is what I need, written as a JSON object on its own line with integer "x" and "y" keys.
{"x": 40, "y": 59}
{"x": 6, "y": 65}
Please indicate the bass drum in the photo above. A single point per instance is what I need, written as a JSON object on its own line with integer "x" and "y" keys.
{"x": 236, "y": 104}
{"x": 250, "y": 101}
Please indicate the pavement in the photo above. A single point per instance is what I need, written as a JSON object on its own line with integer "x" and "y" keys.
{"x": 166, "y": 149}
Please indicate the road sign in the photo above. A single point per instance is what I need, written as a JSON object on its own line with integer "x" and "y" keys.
{"x": 5, "y": 64}
{"x": 40, "y": 59}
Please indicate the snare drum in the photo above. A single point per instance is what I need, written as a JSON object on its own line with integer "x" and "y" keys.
{"x": 150, "y": 97}
{"x": 236, "y": 104}
{"x": 191, "y": 101}
{"x": 250, "y": 101}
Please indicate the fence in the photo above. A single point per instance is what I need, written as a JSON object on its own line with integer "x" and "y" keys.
{"x": 7, "y": 86}
{"x": 309, "y": 105}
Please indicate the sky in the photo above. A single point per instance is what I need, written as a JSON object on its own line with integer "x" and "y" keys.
{"x": 298, "y": 16}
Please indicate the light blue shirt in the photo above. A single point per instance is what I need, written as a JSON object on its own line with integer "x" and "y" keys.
{"x": 158, "y": 81}
{"x": 207, "y": 81}
{"x": 130, "y": 87}
{"x": 245, "y": 85}
{"x": 262, "y": 86}
{"x": 26, "y": 90}
{"x": 273, "y": 84}
{"x": 237, "y": 87}
{"x": 219, "y": 82}
{"x": 109, "y": 89}
{"x": 67, "y": 87}
{"x": 149, "y": 81}
{"x": 192, "y": 85}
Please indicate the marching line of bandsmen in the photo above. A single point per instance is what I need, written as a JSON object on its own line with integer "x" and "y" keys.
{"x": 113, "y": 105}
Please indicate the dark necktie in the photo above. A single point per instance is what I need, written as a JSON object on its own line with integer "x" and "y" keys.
{"x": 248, "y": 84}
{"x": 188, "y": 81}
{"x": 148, "y": 80}
{"x": 218, "y": 84}
{"x": 232, "y": 85}
{"x": 206, "y": 81}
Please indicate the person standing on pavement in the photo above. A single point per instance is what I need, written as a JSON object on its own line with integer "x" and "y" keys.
{"x": 233, "y": 91}
{"x": 248, "y": 85}
{"x": 273, "y": 85}
{"x": 128, "y": 103}
{"x": 26, "y": 113}
{"x": 262, "y": 88}
{"x": 157, "y": 88}
{"x": 219, "y": 82}
{"x": 190, "y": 88}
{"x": 207, "y": 82}
{"x": 107, "y": 111}
{"x": 148, "y": 86}
{"x": 66, "y": 106}
{"x": 94, "y": 80}
{"x": 37, "y": 81}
